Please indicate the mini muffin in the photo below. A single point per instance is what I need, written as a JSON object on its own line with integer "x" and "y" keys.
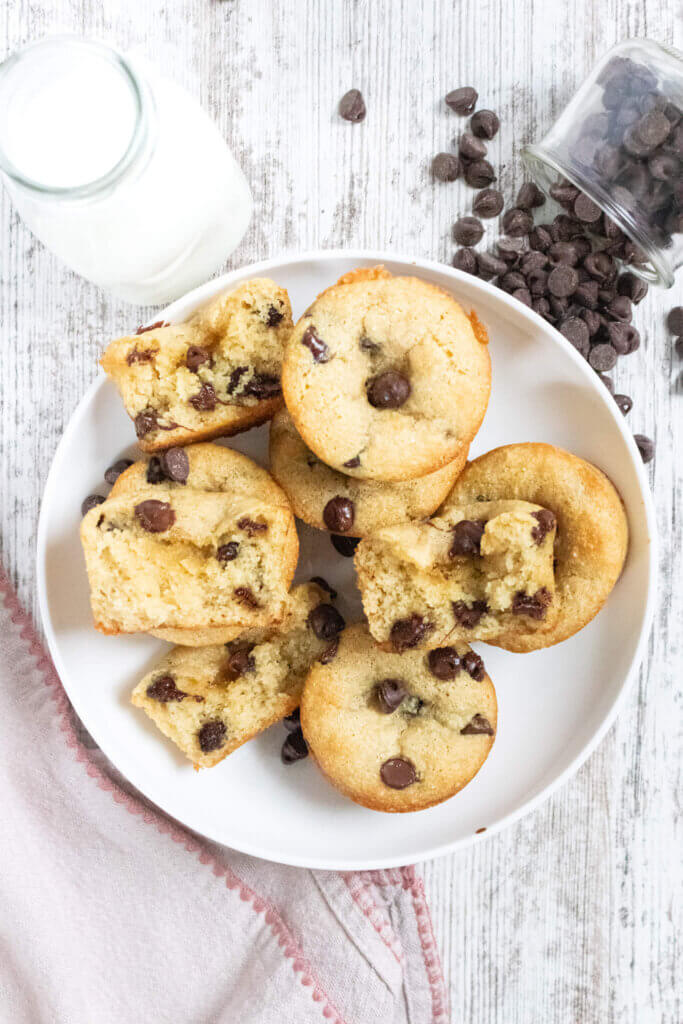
{"x": 211, "y": 700}
{"x": 215, "y": 375}
{"x": 475, "y": 572}
{"x": 399, "y": 732}
{"x": 592, "y": 531}
{"x": 386, "y": 378}
{"x": 329, "y": 500}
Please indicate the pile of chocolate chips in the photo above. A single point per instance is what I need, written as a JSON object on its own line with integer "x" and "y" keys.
{"x": 570, "y": 270}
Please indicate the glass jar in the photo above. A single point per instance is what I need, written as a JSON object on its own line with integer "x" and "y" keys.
{"x": 117, "y": 170}
{"x": 620, "y": 141}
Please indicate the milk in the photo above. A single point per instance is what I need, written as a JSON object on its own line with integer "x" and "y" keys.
{"x": 144, "y": 197}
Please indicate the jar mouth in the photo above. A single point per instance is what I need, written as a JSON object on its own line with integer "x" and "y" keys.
{"x": 141, "y": 117}
{"x": 541, "y": 161}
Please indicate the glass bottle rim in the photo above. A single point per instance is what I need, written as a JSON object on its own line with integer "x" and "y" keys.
{"x": 136, "y": 144}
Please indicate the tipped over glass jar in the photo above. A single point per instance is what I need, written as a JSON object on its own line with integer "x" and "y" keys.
{"x": 620, "y": 142}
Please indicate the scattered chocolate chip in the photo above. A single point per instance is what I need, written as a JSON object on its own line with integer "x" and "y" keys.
{"x": 619, "y": 335}
{"x": 602, "y": 357}
{"x": 390, "y": 390}
{"x": 511, "y": 281}
{"x": 563, "y": 281}
{"x": 473, "y": 665}
{"x": 145, "y": 422}
{"x": 478, "y": 726}
{"x": 353, "y": 463}
{"x": 607, "y": 381}
{"x": 164, "y": 690}
{"x": 586, "y": 294}
{"x": 408, "y": 633}
{"x": 294, "y": 748}
{"x": 195, "y": 357}
{"x": 318, "y": 348}
{"x": 339, "y": 514}
{"x": 293, "y": 722}
{"x": 92, "y": 501}
{"x": 632, "y": 287}
{"x": 330, "y": 653}
{"x": 324, "y": 585}
{"x": 646, "y": 447}
{"x": 674, "y": 320}
{"x": 479, "y": 174}
{"x": 444, "y": 662}
{"x": 517, "y": 222}
{"x": 389, "y": 694}
{"x": 466, "y": 615}
{"x": 522, "y": 295}
{"x": 175, "y": 464}
{"x": 467, "y": 536}
{"x": 653, "y": 128}
{"x": 479, "y": 831}
{"x": 251, "y": 527}
{"x": 463, "y": 100}
{"x": 227, "y": 552}
{"x": 326, "y": 622}
{"x": 352, "y": 106}
{"x": 465, "y": 260}
{"x": 564, "y": 194}
{"x": 274, "y": 316}
{"x": 398, "y": 773}
{"x": 540, "y": 239}
{"x": 485, "y": 124}
{"x": 488, "y": 203}
{"x": 586, "y": 210}
{"x": 471, "y": 148}
{"x": 446, "y": 167}
{"x": 205, "y": 399}
{"x": 212, "y": 736}
{"x": 576, "y": 331}
{"x": 345, "y": 546}
{"x": 245, "y": 596}
{"x": 546, "y": 522}
{"x": 152, "y": 327}
{"x": 624, "y": 403}
{"x": 535, "y": 606}
{"x": 600, "y": 266}
{"x": 140, "y": 355}
{"x": 155, "y": 473}
{"x": 529, "y": 196}
{"x": 155, "y": 516}
{"x": 620, "y": 308}
{"x": 468, "y": 231}
{"x": 489, "y": 265}
{"x": 114, "y": 471}
{"x": 240, "y": 660}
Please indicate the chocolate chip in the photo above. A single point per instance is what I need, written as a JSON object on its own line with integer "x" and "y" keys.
{"x": 212, "y": 736}
{"x": 602, "y": 357}
{"x": 471, "y": 148}
{"x": 326, "y": 622}
{"x": 563, "y": 252}
{"x": 353, "y": 463}
{"x": 607, "y": 381}
{"x": 522, "y": 295}
{"x": 398, "y": 773}
{"x": 274, "y": 316}
{"x": 263, "y": 385}
{"x": 465, "y": 260}
{"x": 664, "y": 166}
{"x": 345, "y": 546}
{"x": 152, "y": 327}
{"x": 318, "y": 348}
{"x": 293, "y": 722}
{"x": 145, "y": 422}
{"x": 408, "y": 633}
{"x": 324, "y": 585}
{"x": 624, "y": 403}
{"x": 175, "y": 464}
{"x": 114, "y": 471}
{"x": 586, "y": 210}
{"x": 462, "y": 100}
{"x": 352, "y": 106}
{"x": 473, "y": 665}
{"x": 546, "y": 522}
{"x": 489, "y": 265}
{"x": 468, "y": 231}
{"x": 646, "y": 447}
{"x": 587, "y": 294}
{"x": 338, "y": 514}
{"x": 517, "y": 222}
{"x": 620, "y": 308}
{"x": 485, "y": 124}
{"x": 294, "y": 748}
{"x": 634, "y": 144}
{"x": 155, "y": 516}
{"x": 633, "y": 287}
{"x": 576, "y": 331}
{"x": 389, "y": 694}
{"x": 445, "y": 167}
{"x": 444, "y": 662}
{"x": 529, "y": 196}
{"x": 240, "y": 660}
{"x": 592, "y": 320}
{"x": 139, "y": 355}
{"x": 251, "y": 527}
{"x": 205, "y": 399}
{"x": 488, "y": 203}
{"x": 330, "y": 653}
{"x": 563, "y": 281}
{"x": 535, "y": 606}
{"x": 245, "y": 596}
{"x": 512, "y": 280}
{"x": 467, "y": 536}
{"x": 164, "y": 690}
{"x": 155, "y": 473}
{"x": 564, "y": 194}
{"x": 619, "y": 335}
{"x": 390, "y": 390}
{"x": 92, "y": 501}
{"x": 235, "y": 378}
{"x": 227, "y": 552}
{"x": 479, "y": 174}
{"x": 195, "y": 357}
{"x": 466, "y": 615}
{"x": 674, "y": 320}
{"x": 478, "y": 726}
{"x": 540, "y": 239}
{"x": 653, "y": 128}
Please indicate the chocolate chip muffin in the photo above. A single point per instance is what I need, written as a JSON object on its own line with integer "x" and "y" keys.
{"x": 203, "y": 467}
{"x": 166, "y": 556}
{"x": 329, "y": 500}
{"x": 399, "y": 732}
{"x": 386, "y": 378}
{"x": 215, "y": 375}
{"x": 211, "y": 700}
{"x": 592, "y": 531}
{"x": 475, "y": 572}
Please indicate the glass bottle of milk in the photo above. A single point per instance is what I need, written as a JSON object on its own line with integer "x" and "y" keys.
{"x": 118, "y": 171}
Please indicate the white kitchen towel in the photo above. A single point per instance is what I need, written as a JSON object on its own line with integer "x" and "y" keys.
{"x": 112, "y": 913}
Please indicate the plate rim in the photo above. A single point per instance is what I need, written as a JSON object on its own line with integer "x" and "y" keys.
{"x": 196, "y": 297}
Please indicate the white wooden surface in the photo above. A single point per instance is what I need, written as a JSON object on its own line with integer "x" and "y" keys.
{"x": 574, "y": 915}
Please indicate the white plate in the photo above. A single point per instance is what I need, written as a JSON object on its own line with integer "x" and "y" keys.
{"x": 554, "y": 705}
